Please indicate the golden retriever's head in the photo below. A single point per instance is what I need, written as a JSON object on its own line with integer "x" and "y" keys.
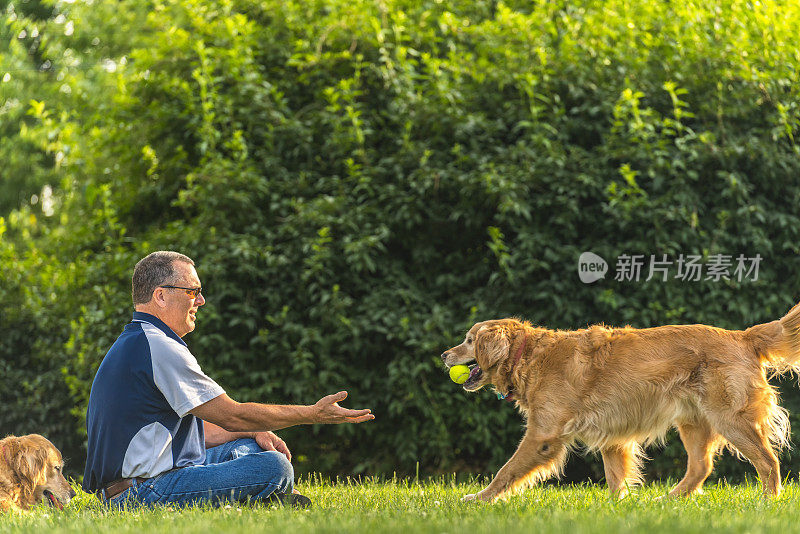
{"x": 36, "y": 465}
{"x": 486, "y": 344}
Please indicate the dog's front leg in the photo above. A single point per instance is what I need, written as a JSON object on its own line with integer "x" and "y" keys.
{"x": 10, "y": 506}
{"x": 536, "y": 458}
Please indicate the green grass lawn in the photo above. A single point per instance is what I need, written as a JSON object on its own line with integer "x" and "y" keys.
{"x": 434, "y": 506}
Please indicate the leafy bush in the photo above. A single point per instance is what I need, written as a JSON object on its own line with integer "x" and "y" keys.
{"x": 360, "y": 182}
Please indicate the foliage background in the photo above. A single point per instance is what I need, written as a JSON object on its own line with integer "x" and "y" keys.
{"x": 359, "y": 181}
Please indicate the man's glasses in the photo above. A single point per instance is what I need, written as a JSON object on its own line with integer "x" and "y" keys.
{"x": 193, "y": 292}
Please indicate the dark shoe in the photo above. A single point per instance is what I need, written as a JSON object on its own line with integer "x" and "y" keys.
{"x": 295, "y": 500}
{"x": 298, "y": 501}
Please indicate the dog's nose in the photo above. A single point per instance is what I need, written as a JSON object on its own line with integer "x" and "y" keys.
{"x": 72, "y": 493}
{"x": 444, "y": 356}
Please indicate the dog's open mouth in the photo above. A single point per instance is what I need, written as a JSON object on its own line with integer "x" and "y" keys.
{"x": 53, "y": 500}
{"x": 475, "y": 377}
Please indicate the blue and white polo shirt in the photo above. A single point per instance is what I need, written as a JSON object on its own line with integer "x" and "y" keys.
{"x": 138, "y": 420}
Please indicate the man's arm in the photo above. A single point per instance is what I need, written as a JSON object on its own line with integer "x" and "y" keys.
{"x": 216, "y": 435}
{"x": 234, "y": 416}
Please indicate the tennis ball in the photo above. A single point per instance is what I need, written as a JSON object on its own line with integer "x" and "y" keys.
{"x": 459, "y": 373}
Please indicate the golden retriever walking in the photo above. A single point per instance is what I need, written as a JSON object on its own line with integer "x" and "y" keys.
{"x": 615, "y": 389}
{"x": 30, "y": 472}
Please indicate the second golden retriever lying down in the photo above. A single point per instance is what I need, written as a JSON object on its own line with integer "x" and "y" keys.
{"x": 30, "y": 472}
{"x": 615, "y": 389}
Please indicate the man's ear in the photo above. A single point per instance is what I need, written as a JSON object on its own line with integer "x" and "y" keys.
{"x": 491, "y": 345}
{"x": 159, "y": 297}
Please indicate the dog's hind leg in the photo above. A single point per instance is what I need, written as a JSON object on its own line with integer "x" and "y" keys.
{"x": 701, "y": 444}
{"x": 751, "y": 439}
{"x": 622, "y": 464}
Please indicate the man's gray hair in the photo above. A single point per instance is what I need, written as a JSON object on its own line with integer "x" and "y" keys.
{"x": 154, "y": 270}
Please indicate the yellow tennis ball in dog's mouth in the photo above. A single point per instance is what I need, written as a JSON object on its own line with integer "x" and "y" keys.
{"x": 459, "y": 373}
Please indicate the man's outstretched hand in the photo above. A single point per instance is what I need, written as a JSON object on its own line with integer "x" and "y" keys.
{"x": 328, "y": 411}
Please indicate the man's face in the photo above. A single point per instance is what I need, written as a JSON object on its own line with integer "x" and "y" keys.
{"x": 180, "y": 308}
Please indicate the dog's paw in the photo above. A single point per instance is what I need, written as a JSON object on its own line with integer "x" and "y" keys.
{"x": 482, "y": 495}
{"x": 620, "y": 495}
{"x": 677, "y": 493}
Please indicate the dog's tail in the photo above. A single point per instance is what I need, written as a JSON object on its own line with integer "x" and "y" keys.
{"x": 778, "y": 343}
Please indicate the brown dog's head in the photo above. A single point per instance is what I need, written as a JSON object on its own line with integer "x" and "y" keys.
{"x": 36, "y": 465}
{"x": 486, "y": 344}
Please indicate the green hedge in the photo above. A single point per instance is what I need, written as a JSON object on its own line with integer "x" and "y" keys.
{"x": 359, "y": 182}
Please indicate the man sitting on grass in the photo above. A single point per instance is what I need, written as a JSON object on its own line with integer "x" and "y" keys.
{"x": 161, "y": 431}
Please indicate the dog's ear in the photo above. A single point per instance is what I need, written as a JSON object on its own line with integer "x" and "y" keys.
{"x": 492, "y": 344}
{"x": 28, "y": 463}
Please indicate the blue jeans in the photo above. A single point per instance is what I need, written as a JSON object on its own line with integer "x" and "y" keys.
{"x": 237, "y": 471}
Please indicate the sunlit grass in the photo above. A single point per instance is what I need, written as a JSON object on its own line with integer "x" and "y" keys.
{"x": 435, "y": 506}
